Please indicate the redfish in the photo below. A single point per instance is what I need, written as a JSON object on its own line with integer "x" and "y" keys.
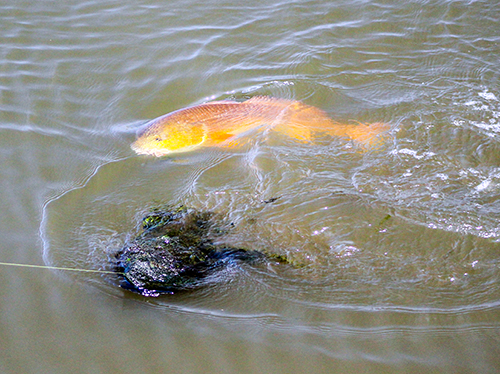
{"x": 226, "y": 123}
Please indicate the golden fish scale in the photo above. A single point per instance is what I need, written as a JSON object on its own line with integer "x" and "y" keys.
{"x": 214, "y": 123}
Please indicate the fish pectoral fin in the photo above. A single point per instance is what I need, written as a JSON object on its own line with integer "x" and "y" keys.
{"x": 227, "y": 140}
{"x": 236, "y": 137}
{"x": 220, "y": 136}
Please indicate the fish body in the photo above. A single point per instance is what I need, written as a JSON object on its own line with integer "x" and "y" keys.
{"x": 224, "y": 123}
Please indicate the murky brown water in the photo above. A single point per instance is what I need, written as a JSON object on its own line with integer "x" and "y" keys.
{"x": 396, "y": 249}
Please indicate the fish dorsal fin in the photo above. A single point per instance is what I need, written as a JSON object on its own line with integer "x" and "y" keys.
{"x": 272, "y": 110}
{"x": 261, "y": 99}
{"x": 219, "y": 102}
{"x": 268, "y": 100}
{"x": 295, "y": 109}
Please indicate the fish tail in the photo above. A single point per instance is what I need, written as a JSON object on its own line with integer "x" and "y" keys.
{"x": 367, "y": 135}
{"x": 297, "y": 132}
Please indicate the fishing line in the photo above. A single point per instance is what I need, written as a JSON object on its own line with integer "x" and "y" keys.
{"x": 59, "y": 268}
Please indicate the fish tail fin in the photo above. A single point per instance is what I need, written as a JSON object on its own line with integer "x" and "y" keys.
{"x": 297, "y": 132}
{"x": 367, "y": 135}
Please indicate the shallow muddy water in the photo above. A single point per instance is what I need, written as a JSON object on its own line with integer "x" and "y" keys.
{"x": 393, "y": 250}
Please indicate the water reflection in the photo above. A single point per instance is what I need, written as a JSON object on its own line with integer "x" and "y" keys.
{"x": 378, "y": 223}
{"x": 395, "y": 252}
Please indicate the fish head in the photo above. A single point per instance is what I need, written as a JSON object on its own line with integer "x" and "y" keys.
{"x": 164, "y": 136}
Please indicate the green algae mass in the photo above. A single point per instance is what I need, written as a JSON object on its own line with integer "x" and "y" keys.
{"x": 175, "y": 251}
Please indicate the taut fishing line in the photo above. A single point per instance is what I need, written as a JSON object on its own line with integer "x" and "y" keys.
{"x": 58, "y": 268}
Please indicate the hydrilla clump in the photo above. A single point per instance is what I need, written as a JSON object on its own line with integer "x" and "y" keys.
{"x": 175, "y": 251}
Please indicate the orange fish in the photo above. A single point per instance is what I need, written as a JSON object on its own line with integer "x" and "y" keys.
{"x": 225, "y": 123}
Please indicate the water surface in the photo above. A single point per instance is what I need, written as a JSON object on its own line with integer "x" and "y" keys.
{"x": 394, "y": 250}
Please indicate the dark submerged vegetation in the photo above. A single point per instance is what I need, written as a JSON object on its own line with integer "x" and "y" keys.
{"x": 176, "y": 252}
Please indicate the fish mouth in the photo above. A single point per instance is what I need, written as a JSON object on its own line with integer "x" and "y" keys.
{"x": 160, "y": 152}
{"x": 148, "y": 151}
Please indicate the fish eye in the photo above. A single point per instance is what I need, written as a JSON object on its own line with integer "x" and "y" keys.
{"x": 160, "y": 138}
